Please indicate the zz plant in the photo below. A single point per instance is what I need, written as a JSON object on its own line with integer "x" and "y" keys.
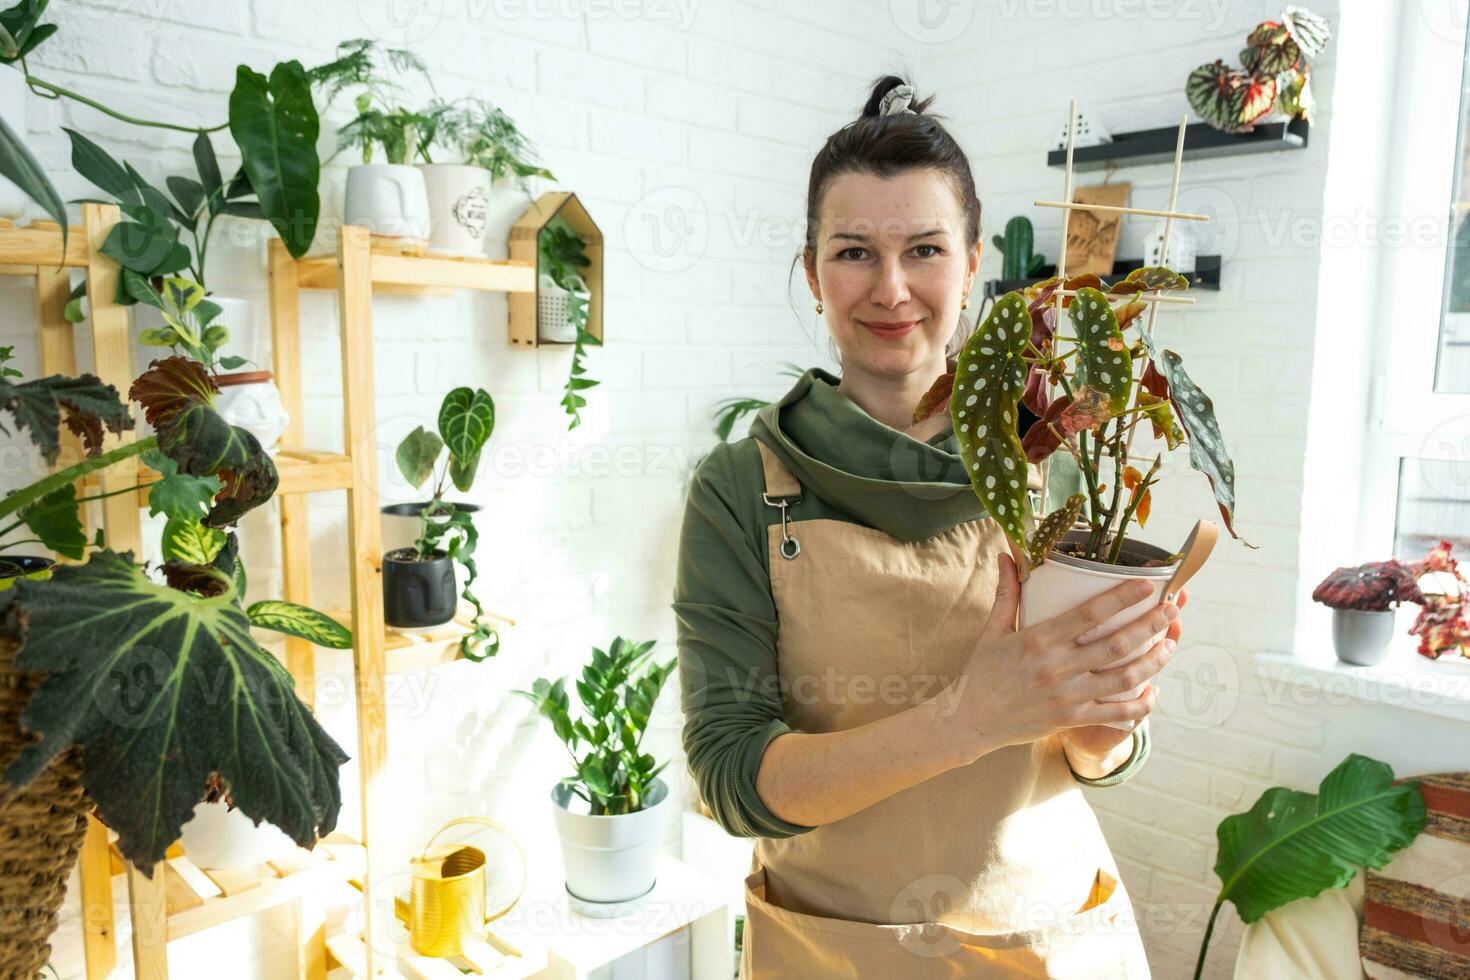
{"x": 618, "y": 689}
{"x": 1008, "y": 362}
{"x": 466, "y": 420}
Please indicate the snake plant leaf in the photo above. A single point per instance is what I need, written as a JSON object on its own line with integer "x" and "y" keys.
{"x": 936, "y": 398}
{"x": 466, "y": 419}
{"x": 990, "y": 376}
{"x": 56, "y": 520}
{"x": 1196, "y": 414}
{"x": 1310, "y": 31}
{"x": 1292, "y": 844}
{"x": 89, "y": 409}
{"x": 302, "y": 621}
{"x": 161, "y": 689}
{"x": 1103, "y": 363}
{"x": 417, "y": 454}
{"x": 275, "y": 125}
{"x": 180, "y": 496}
{"x": 185, "y": 539}
{"x": 19, "y": 166}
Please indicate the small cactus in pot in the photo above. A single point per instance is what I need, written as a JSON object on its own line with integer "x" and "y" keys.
{"x": 1019, "y": 261}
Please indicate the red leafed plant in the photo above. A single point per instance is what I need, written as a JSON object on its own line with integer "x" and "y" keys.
{"x": 1441, "y": 625}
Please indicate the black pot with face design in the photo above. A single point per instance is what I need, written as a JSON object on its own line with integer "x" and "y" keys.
{"x": 417, "y": 593}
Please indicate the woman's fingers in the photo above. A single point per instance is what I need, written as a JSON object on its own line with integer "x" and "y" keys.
{"x": 1118, "y": 680}
{"x": 1110, "y": 712}
{"x": 1148, "y": 629}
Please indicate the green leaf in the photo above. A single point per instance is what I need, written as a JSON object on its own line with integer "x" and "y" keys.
{"x": 302, "y": 621}
{"x": 990, "y": 376}
{"x": 186, "y": 539}
{"x": 1103, "y": 361}
{"x": 161, "y": 690}
{"x": 21, "y": 168}
{"x": 179, "y": 495}
{"x": 147, "y": 244}
{"x": 88, "y": 407}
{"x": 416, "y": 455}
{"x": 21, "y": 24}
{"x": 275, "y": 125}
{"x": 466, "y": 419}
{"x": 462, "y": 471}
{"x": 1220, "y": 94}
{"x": 209, "y": 177}
{"x": 188, "y": 192}
{"x": 99, "y": 167}
{"x": 56, "y": 520}
{"x": 1293, "y": 845}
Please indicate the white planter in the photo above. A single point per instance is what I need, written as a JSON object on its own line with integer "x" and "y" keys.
{"x": 219, "y": 838}
{"x": 459, "y": 198}
{"x": 609, "y": 859}
{"x": 1063, "y": 582}
{"x": 251, "y": 400}
{"x": 13, "y": 202}
{"x": 552, "y": 308}
{"x": 390, "y": 200}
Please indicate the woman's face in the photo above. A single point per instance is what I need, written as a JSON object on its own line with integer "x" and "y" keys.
{"x": 891, "y": 267}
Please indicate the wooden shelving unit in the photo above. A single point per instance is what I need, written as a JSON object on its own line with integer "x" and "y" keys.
{"x": 1201, "y": 142}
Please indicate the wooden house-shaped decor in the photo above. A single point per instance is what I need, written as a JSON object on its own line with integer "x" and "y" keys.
{"x": 525, "y": 237}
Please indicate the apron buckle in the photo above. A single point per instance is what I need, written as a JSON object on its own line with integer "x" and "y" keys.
{"x": 789, "y": 547}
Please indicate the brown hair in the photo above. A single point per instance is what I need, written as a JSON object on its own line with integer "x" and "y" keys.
{"x": 889, "y": 145}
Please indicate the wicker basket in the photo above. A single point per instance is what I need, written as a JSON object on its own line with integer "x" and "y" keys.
{"x": 553, "y": 312}
{"x": 41, "y": 833}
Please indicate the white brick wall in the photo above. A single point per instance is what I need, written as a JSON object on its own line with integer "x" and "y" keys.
{"x": 688, "y": 129}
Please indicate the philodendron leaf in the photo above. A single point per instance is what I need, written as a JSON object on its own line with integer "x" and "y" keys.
{"x": 275, "y": 125}
{"x": 1294, "y": 845}
{"x": 1103, "y": 361}
{"x": 161, "y": 689}
{"x": 89, "y": 408}
{"x": 302, "y": 621}
{"x": 466, "y": 419}
{"x": 417, "y": 454}
{"x": 990, "y": 376}
{"x": 186, "y": 539}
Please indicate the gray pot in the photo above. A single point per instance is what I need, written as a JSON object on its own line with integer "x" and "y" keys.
{"x": 614, "y": 858}
{"x": 1361, "y": 638}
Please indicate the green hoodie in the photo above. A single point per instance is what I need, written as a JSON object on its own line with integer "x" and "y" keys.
{"x": 851, "y": 468}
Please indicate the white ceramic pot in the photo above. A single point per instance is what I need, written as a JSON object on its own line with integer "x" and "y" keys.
{"x": 1362, "y": 637}
{"x": 459, "y": 198}
{"x": 609, "y": 859}
{"x": 552, "y": 308}
{"x": 251, "y": 400}
{"x": 1063, "y": 582}
{"x": 13, "y": 201}
{"x": 219, "y": 838}
{"x": 388, "y": 199}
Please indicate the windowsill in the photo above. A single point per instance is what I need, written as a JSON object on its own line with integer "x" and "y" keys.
{"x": 1406, "y": 680}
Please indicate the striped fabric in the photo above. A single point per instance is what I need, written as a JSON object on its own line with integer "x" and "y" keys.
{"x": 1416, "y": 911}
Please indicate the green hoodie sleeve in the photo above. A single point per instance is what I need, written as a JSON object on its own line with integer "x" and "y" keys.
{"x": 1131, "y": 766}
{"x": 726, "y": 626}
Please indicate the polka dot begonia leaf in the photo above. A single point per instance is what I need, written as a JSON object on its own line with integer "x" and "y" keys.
{"x": 990, "y": 376}
{"x": 1103, "y": 361}
{"x": 1196, "y": 413}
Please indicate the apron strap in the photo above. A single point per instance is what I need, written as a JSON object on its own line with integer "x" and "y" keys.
{"x": 782, "y": 490}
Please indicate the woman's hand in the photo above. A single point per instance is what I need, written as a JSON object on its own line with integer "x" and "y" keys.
{"x": 1095, "y": 750}
{"x": 1022, "y": 685}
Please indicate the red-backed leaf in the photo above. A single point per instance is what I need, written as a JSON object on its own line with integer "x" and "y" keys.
{"x": 1041, "y": 294}
{"x": 170, "y": 387}
{"x": 1370, "y": 588}
{"x": 1044, "y": 436}
{"x": 936, "y": 398}
{"x": 1129, "y": 312}
{"x": 1036, "y": 396}
{"x": 1148, "y": 279}
{"x": 1153, "y": 382}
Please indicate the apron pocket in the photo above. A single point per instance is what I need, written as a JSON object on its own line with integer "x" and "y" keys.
{"x": 780, "y": 944}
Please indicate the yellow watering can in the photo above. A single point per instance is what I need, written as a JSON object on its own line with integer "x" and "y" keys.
{"x": 446, "y": 908}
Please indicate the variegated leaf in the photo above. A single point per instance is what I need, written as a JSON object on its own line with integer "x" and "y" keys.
{"x": 990, "y": 375}
{"x": 1196, "y": 413}
{"x": 1102, "y": 363}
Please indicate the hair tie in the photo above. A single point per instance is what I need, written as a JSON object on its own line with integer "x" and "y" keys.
{"x": 897, "y": 100}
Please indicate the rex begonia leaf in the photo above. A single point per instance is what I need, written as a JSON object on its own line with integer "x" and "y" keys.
{"x": 162, "y": 689}
{"x": 89, "y": 408}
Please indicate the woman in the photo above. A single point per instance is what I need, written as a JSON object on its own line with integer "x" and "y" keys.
{"x": 857, "y": 695}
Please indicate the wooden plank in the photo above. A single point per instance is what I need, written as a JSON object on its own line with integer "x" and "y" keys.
{"x": 285, "y": 310}
{"x": 429, "y": 270}
{"x": 99, "y": 931}
{"x": 39, "y": 244}
{"x": 178, "y": 895}
{"x": 232, "y": 881}
{"x": 150, "y": 922}
{"x": 355, "y": 299}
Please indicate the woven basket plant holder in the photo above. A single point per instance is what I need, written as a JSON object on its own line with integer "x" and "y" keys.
{"x": 41, "y": 833}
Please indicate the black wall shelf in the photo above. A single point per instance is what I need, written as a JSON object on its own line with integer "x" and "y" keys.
{"x": 1201, "y": 141}
{"x": 1206, "y": 275}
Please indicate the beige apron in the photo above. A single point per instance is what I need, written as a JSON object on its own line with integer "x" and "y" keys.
{"x": 980, "y": 871}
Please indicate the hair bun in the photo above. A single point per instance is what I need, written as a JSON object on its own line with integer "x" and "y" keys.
{"x": 882, "y": 97}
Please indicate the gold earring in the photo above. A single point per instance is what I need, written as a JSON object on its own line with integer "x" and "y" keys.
{"x": 964, "y": 302}
{"x": 819, "y": 306}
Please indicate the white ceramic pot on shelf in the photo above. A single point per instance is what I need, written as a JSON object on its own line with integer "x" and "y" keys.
{"x": 609, "y": 859}
{"x": 251, "y": 400}
{"x": 459, "y": 198}
{"x": 1062, "y": 582}
{"x": 218, "y": 838}
{"x": 390, "y": 200}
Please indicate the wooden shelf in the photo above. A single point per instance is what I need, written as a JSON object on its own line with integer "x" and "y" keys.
{"x": 1201, "y": 142}
{"x": 300, "y": 471}
{"x": 415, "y": 273}
{"x": 25, "y": 250}
{"x": 1206, "y": 276}
{"x": 406, "y": 652}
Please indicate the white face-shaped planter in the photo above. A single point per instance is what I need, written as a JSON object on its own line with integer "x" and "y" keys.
{"x": 250, "y": 400}
{"x": 388, "y": 199}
